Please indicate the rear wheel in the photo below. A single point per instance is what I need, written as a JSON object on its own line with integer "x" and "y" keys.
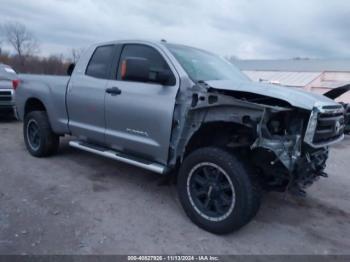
{"x": 39, "y": 138}
{"x": 217, "y": 191}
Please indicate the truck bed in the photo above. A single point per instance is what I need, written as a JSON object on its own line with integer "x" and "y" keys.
{"x": 48, "y": 88}
{"x": 52, "y": 80}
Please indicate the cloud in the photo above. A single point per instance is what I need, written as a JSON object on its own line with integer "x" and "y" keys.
{"x": 243, "y": 28}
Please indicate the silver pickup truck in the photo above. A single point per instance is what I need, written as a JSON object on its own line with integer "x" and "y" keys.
{"x": 182, "y": 111}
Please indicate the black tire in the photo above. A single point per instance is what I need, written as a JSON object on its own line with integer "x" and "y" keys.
{"x": 47, "y": 141}
{"x": 245, "y": 189}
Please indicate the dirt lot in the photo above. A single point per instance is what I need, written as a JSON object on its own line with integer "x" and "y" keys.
{"x": 78, "y": 203}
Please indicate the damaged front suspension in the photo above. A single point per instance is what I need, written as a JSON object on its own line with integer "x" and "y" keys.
{"x": 302, "y": 164}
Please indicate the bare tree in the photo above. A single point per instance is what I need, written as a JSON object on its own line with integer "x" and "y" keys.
{"x": 76, "y": 53}
{"x": 21, "y": 39}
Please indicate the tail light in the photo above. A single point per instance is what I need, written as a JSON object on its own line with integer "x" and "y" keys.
{"x": 15, "y": 84}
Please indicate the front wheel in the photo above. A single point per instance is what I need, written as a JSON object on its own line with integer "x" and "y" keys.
{"x": 39, "y": 138}
{"x": 217, "y": 191}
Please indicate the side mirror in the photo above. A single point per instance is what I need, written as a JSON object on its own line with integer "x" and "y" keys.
{"x": 138, "y": 69}
{"x": 135, "y": 69}
{"x": 165, "y": 77}
{"x": 70, "y": 69}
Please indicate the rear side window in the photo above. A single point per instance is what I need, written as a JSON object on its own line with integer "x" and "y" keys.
{"x": 157, "y": 62}
{"x": 101, "y": 62}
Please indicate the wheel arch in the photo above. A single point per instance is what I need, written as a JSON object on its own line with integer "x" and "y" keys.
{"x": 219, "y": 134}
{"x": 34, "y": 104}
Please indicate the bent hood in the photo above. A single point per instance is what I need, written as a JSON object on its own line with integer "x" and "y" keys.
{"x": 296, "y": 98}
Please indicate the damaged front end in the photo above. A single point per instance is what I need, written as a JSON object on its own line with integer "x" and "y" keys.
{"x": 291, "y": 148}
{"x": 287, "y": 145}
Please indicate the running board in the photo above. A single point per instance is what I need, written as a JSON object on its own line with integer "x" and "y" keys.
{"x": 154, "y": 167}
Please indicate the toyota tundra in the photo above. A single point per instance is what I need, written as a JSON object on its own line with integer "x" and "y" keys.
{"x": 182, "y": 111}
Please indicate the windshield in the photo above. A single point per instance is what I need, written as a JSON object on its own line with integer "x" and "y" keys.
{"x": 204, "y": 66}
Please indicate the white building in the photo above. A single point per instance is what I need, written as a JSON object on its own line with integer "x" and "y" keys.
{"x": 313, "y": 75}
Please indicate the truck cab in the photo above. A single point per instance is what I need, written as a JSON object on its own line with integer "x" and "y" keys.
{"x": 127, "y": 111}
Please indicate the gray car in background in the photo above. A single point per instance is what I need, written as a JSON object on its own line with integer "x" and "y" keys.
{"x": 8, "y": 81}
{"x": 179, "y": 110}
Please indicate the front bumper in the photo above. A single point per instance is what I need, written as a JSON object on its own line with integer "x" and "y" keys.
{"x": 311, "y": 166}
{"x": 293, "y": 162}
{"x": 8, "y": 110}
{"x": 7, "y": 103}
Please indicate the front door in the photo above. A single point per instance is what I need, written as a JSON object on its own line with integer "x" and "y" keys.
{"x": 139, "y": 115}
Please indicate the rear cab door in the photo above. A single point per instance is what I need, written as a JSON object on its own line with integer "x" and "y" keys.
{"x": 86, "y": 93}
{"x": 139, "y": 120}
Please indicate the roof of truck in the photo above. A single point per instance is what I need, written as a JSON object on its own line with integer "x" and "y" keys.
{"x": 145, "y": 41}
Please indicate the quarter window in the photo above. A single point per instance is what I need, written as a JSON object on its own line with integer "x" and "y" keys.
{"x": 101, "y": 62}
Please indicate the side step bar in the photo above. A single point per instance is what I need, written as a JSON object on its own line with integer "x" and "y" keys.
{"x": 154, "y": 167}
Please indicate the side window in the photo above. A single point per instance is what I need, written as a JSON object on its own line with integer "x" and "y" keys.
{"x": 157, "y": 62}
{"x": 101, "y": 62}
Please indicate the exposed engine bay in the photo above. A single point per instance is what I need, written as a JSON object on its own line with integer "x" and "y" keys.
{"x": 287, "y": 146}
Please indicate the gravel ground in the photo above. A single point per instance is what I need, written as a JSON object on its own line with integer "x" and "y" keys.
{"x": 78, "y": 203}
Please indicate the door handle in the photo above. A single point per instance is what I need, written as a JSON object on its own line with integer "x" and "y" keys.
{"x": 114, "y": 91}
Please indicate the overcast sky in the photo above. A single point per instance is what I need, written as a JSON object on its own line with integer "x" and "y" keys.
{"x": 242, "y": 28}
